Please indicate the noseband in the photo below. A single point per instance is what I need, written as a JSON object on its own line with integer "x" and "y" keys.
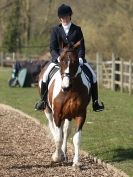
{"x": 65, "y": 75}
{"x": 71, "y": 77}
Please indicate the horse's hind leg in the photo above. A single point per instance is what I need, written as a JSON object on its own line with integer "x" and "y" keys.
{"x": 50, "y": 121}
{"x": 66, "y": 132}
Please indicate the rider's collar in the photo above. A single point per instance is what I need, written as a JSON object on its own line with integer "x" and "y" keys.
{"x": 67, "y": 26}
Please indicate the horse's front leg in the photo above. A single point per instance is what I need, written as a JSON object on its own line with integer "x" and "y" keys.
{"x": 58, "y": 154}
{"x": 66, "y": 132}
{"x": 76, "y": 139}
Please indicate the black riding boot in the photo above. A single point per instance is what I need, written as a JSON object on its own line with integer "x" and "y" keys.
{"x": 97, "y": 106}
{"x": 40, "y": 105}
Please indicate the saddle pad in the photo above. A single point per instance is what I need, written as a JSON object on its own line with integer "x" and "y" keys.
{"x": 87, "y": 73}
{"x": 52, "y": 72}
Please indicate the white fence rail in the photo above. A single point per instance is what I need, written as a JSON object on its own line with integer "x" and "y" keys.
{"x": 115, "y": 74}
{"x": 7, "y": 59}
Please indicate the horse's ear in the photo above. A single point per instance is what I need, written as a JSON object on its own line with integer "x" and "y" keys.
{"x": 77, "y": 44}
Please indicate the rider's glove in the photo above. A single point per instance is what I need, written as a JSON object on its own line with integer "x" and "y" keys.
{"x": 58, "y": 59}
{"x": 81, "y": 62}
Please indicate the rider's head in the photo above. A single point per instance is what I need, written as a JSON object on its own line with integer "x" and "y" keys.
{"x": 65, "y": 13}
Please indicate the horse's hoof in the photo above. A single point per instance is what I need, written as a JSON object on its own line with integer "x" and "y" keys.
{"x": 66, "y": 158}
{"x": 58, "y": 158}
{"x": 76, "y": 165}
{"x": 55, "y": 158}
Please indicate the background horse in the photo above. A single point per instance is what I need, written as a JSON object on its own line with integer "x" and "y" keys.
{"x": 68, "y": 97}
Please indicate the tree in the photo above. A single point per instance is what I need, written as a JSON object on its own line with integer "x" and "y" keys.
{"x": 47, "y": 16}
{"x": 12, "y": 40}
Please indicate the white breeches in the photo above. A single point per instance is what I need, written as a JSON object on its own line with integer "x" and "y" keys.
{"x": 46, "y": 73}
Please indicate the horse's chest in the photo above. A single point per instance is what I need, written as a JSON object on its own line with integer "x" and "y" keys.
{"x": 71, "y": 103}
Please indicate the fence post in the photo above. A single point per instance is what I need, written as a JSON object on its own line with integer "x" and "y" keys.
{"x": 130, "y": 77}
{"x": 99, "y": 69}
{"x": 113, "y": 72}
{"x": 121, "y": 75}
{"x": 1, "y": 59}
{"x": 13, "y": 56}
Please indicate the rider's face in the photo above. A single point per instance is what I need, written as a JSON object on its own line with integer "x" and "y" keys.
{"x": 65, "y": 20}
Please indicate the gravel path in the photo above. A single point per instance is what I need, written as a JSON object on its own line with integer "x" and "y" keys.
{"x": 25, "y": 151}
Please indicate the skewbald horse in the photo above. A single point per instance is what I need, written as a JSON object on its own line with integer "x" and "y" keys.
{"x": 68, "y": 97}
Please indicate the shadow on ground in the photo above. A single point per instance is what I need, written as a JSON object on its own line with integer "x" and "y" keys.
{"x": 122, "y": 154}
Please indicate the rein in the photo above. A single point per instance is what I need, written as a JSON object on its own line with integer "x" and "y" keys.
{"x": 68, "y": 50}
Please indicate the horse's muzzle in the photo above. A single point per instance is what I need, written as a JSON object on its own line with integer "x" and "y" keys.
{"x": 65, "y": 89}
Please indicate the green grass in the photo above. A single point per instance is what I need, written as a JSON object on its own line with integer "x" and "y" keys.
{"x": 108, "y": 134}
{"x": 20, "y": 98}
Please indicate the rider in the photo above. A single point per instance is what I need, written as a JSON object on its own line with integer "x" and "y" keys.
{"x": 68, "y": 33}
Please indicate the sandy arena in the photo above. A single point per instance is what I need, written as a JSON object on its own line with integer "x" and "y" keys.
{"x": 26, "y": 150}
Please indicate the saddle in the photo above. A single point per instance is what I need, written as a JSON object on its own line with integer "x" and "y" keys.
{"x": 84, "y": 68}
{"x": 87, "y": 73}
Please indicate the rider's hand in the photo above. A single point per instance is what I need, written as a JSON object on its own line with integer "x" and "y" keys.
{"x": 81, "y": 62}
{"x": 58, "y": 59}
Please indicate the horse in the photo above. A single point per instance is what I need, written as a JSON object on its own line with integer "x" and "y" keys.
{"x": 68, "y": 97}
{"x": 33, "y": 69}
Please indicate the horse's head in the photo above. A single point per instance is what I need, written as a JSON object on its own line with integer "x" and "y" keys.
{"x": 69, "y": 65}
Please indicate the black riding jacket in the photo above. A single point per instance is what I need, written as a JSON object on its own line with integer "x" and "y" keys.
{"x": 74, "y": 35}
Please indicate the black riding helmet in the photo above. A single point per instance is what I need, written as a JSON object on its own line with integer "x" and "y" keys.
{"x": 64, "y": 10}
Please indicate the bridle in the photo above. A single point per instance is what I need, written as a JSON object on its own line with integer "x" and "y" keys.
{"x": 71, "y": 48}
{"x": 78, "y": 73}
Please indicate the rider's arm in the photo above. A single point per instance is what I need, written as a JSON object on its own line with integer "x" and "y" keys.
{"x": 54, "y": 46}
{"x": 81, "y": 53}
